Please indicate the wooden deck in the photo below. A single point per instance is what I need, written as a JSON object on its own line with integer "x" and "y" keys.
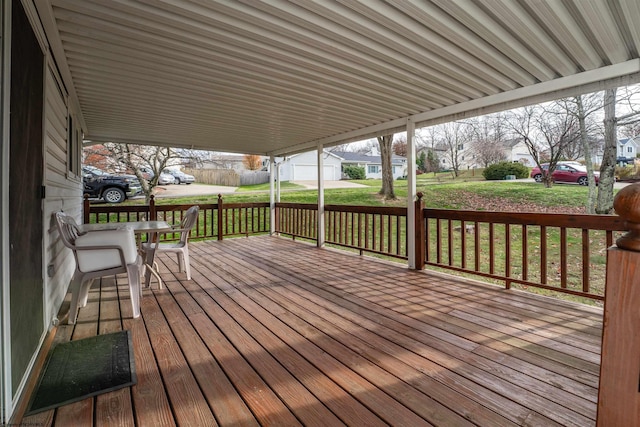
{"x": 275, "y": 332}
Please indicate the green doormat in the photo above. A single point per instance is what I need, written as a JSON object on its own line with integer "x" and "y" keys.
{"x": 79, "y": 369}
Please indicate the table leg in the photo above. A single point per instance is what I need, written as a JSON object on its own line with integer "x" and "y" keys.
{"x": 149, "y": 263}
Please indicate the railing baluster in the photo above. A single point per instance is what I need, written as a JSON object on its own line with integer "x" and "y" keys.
{"x": 585, "y": 260}
{"x": 463, "y": 244}
{"x": 543, "y": 255}
{"x": 492, "y": 253}
{"x": 507, "y": 255}
{"x": 450, "y": 241}
{"x": 563, "y": 257}
{"x": 525, "y": 253}
{"x": 476, "y": 245}
{"x": 438, "y": 241}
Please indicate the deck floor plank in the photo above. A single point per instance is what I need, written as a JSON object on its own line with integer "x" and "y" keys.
{"x": 270, "y": 331}
{"x": 113, "y": 409}
{"x": 187, "y": 401}
{"x": 333, "y": 396}
{"x": 425, "y": 365}
{"x": 582, "y": 405}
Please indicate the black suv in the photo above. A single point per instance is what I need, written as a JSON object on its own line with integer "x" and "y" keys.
{"x": 99, "y": 184}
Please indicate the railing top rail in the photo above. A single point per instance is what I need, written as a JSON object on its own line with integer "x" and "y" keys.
{"x": 184, "y": 207}
{"x": 247, "y": 205}
{"x": 118, "y": 209}
{"x": 296, "y": 205}
{"x": 384, "y": 210}
{"x": 596, "y": 222}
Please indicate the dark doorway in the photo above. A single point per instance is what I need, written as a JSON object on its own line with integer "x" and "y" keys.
{"x": 25, "y": 193}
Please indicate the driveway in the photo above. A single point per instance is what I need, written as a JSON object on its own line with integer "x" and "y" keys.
{"x": 329, "y": 184}
{"x": 183, "y": 190}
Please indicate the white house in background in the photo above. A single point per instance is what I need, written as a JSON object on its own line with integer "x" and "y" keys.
{"x": 516, "y": 150}
{"x": 304, "y": 167}
{"x": 628, "y": 148}
{"x": 372, "y": 164}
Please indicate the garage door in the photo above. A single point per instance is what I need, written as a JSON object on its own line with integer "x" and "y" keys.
{"x": 310, "y": 173}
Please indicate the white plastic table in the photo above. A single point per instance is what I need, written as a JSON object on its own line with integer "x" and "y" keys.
{"x": 153, "y": 228}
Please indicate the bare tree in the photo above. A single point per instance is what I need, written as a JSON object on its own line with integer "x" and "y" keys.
{"x": 608, "y": 166}
{"x": 385, "y": 143}
{"x": 454, "y": 138}
{"x": 369, "y": 146}
{"x": 400, "y": 146}
{"x": 427, "y": 139}
{"x": 545, "y": 131}
{"x": 252, "y": 162}
{"x": 134, "y": 158}
{"x": 630, "y": 118}
{"x": 584, "y": 108}
{"x": 488, "y": 136}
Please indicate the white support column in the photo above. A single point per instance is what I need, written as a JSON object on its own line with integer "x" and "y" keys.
{"x": 411, "y": 192}
{"x": 277, "y": 165}
{"x": 320, "y": 196}
{"x": 272, "y": 202}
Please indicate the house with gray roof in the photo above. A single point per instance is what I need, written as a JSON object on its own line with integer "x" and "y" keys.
{"x": 373, "y": 164}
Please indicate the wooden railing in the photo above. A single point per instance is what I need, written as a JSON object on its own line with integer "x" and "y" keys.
{"x": 215, "y": 220}
{"x": 297, "y": 220}
{"x": 564, "y": 253}
{"x": 372, "y": 229}
{"x": 558, "y": 252}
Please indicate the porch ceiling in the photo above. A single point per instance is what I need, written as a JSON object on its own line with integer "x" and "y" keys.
{"x": 282, "y": 76}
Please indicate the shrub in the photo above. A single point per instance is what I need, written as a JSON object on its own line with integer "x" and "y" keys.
{"x": 502, "y": 169}
{"x": 354, "y": 172}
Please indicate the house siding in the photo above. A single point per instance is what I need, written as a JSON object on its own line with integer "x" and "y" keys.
{"x": 63, "y": 192}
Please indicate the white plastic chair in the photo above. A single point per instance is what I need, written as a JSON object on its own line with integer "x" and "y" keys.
{"x": 181, "y": 247}
{"x": 99, "y": 254}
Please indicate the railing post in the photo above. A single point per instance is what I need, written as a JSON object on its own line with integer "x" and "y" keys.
{"x": 220, "y": 211}
{"x": 419, "y": 237}
{"x": 86, "y": 209}
{"x": 619, "y": 389}
{"x": 153, "y": 215}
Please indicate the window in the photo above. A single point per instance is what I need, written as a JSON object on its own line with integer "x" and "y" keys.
{"x": 629, "y": 149}
{"x": 460, "y": 147}
{"x": 73, "y": 150}
{"x": 373, "y": 169}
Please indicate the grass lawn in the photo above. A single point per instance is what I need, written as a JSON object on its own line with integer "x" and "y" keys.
{"x": 458, "y": 194}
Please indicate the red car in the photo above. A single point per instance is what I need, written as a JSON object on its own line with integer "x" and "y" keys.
{"x": 571, "y": 172}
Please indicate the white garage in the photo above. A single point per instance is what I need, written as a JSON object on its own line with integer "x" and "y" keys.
{"x": 304, "y": 167}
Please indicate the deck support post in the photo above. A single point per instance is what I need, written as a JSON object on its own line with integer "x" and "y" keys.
{"x": 619, "y": 390}
{"x": 86, "y": 209}
{"x": 272, "y": 201}
{"x": 320, "y": 221}
{"x": 420, "y": 234}
{"x": 411, "y": 193}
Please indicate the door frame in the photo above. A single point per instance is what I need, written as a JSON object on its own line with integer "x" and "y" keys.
{"x": 5, "y": 326}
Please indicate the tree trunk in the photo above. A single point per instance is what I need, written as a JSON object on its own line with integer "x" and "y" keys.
{"x": 608, "y": 166}
{"x": 591, "y": 197}
{"x": 387, "y": 173}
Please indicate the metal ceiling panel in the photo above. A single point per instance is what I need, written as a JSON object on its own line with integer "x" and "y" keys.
{"x": 278, "y": 76}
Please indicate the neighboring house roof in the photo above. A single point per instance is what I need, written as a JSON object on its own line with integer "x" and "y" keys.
{"x": 352, "y": 157}
{"x": 511, "y": 142}
{"x": 625, "y": 141}
{"x": 324, "y": 151}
